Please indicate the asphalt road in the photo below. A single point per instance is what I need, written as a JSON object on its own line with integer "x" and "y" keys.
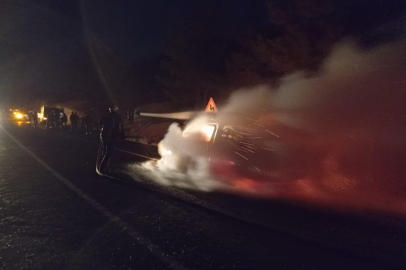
{"x": 57, "y": 213}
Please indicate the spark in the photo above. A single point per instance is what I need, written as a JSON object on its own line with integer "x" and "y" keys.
{"x": 272, "y": 133}
{"x": 241, "y": 155}
{"x": 239, "y": 149}
{"x": 268, "y": 149}
{"x": 248, "y": 146}
{"x": 247, "y": 143}
{"x": 241, "y": 133}
{"x": 258, "y": 169}
{"x": 259, "y": 125}
{"x": 247, "y": 150}
{"x": 252, "y": 119}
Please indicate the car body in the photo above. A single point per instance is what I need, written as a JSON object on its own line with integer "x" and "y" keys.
{"x": 252, "y": 148}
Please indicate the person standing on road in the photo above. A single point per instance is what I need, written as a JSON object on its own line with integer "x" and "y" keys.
{"x": 82, "y": 122}
{"x": 75, "y": 120}
{"x": 88, "y": 123}
{"x": 58, "y": 120}
{"x": 35, "y": 118}
{"x": 71, "y": 119}
{"x": 64, "y": 120}
{"x": 51, "y": 119}
{"x": 112, "y": 128}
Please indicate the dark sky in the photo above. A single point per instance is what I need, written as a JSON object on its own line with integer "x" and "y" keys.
{"x": 134, "y": 29}
{"x": 141, "y": 28}
{"x": 40, "y": 39}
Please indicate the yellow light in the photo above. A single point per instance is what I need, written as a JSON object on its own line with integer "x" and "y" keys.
{"x": 19, "y": 116}
{"x": 163, "y": 151}
{"x": 208, "y": 130}
{"x": 203, "y": 133}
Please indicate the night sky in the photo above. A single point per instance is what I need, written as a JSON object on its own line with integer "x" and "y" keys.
{"x": 146, "y": 25}
{"x": 133, "y": 29}
{"x": 41, "y": 38}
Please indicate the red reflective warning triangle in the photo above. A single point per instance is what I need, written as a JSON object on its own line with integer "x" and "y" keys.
{"x": 211, "y": 106}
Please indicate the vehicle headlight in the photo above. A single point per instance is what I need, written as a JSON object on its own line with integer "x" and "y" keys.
{"x": 19, "y": 115}
{"x": 204, "y": 133}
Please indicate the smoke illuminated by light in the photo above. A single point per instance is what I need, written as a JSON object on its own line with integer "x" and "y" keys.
{"x": 163, "y": 151}
{"x": 205, "y": 132}
{"x": 329, "y": 151}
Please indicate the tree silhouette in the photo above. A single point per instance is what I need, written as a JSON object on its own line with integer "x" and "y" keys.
{"x": 300, "y": 35}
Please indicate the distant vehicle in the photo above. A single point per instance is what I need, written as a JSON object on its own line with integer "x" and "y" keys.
{"x": 45, "y": 111}
{"x": 18, "y": 115}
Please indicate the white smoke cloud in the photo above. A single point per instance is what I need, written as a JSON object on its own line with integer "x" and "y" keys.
{"x": 352, "y": 107}
{"x": 183, "y": 163}
{"x": 357, "y": 93}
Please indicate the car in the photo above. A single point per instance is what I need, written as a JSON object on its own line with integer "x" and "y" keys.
{"x": 246, "y": 147}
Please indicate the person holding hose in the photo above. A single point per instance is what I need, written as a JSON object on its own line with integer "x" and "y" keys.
{"x": 112, "y": 128}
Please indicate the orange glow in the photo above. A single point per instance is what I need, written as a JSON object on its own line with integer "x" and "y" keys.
{"x": 206, "y": 132}
{"x": 245, "y": 183}
{"x": 163, "y": 151}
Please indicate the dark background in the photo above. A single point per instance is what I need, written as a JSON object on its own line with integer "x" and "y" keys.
{"x": 138, "y": 52}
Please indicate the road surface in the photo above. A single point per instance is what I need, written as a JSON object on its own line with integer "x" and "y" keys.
{"x": 57, "y": 213}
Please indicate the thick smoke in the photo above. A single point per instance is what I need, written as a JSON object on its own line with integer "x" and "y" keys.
{"x": 353, "y": 115}
{"x": 357, "y": 93}
{"x": 183, "y": 163}
{"x": 356, "y": 115}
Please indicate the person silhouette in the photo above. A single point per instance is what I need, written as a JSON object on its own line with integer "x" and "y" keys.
{"x": 112, "y": 128}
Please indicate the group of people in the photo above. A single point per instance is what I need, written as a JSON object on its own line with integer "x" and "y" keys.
{"x": 111, "y": 129}
{"x": 85, "y": 122}
{"x": 56, "y": 119}
{"x": 60, "y": 120}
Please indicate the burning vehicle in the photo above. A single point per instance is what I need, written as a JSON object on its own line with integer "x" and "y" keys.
{"x": 235, "y": 146}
